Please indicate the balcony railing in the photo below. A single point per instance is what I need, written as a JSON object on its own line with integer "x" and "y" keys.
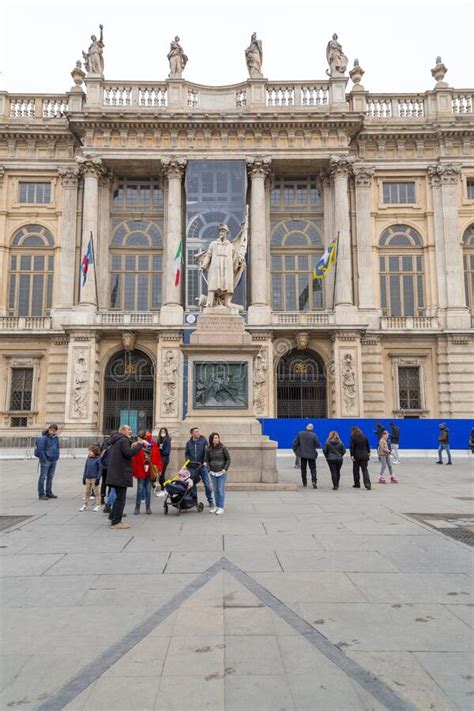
{"x": 117, "y": 318}
{"x": 302, "y": 319}
{"x": 20, "y": 323}
{"x": 408, "y": 323}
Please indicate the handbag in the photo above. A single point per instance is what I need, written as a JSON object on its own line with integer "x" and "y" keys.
{"x": 154, "y": 473}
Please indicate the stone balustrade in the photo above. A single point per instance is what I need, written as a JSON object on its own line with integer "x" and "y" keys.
{"x": 117, "y": 318}
{"x": 303, "y": 319}
{"x": 408, "y": 323}
{"x": 179, "y": 95}
{"x": 31, "y": 323}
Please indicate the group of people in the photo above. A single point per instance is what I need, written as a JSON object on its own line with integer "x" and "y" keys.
{"x": 111, "y": 467}
{"x": 306, "y": 445}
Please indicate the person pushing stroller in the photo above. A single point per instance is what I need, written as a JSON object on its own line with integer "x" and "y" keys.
{"x": 195, "y": 454}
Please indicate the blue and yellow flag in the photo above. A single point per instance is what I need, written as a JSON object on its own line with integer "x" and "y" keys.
{"x": 328, "y": 258}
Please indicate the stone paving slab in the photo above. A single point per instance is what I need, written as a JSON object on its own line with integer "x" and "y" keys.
{"x": 388, "y": 592}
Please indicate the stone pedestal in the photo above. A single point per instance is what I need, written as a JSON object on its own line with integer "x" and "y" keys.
{"x": 224, "y": 371}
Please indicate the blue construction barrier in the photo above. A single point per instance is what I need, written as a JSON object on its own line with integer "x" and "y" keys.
{"x": 414, "y": 434}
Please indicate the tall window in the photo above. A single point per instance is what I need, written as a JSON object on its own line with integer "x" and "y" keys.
{"x": 409, "y": 388}
{"x": 136, "y": 266}
{"x": 143, "y": 195}
{"x": 470, "y": 189}
{"x": 294, "y": 193}
{"x": 401, "y": 272}
{"x": 295, "y": 247}
{"x": 30, "y": 286}
{"x": 34, "y": 193}
{"x": 21, "y": 389}
{"x": 468, "y": 259}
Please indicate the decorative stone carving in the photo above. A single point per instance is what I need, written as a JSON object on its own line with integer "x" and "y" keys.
{"x": 439, "y": 72}
{"x": 259, "y": 167}
{"x": 341, "y": 164}
{"x": 348, "y": 383}
{"x": 173, "y": 167}
{"x": 220, "y": 384}
{"x": 254, "y": 57}
{"x": 363, "y": 175}
{"x": 447, "y": 174}
{"x": 2, "y": 175}
{"x": 69, "y": 176}
{"x": 94, "y": 57}
{"x": 259, "y": 380}
{"x": 169, "y": 378}
{"x": 80, "y": 380}
{"x": 128, "y": 340}
{"x": 177, "y": 59}
{"x": 356, "y": 73}
{"x": 90, "y": 165}
{"x": 78, "y": 74}
{"x": 225, "y": 263}
{"x": 302, "y": 340}
{"x": 336, "y": 58}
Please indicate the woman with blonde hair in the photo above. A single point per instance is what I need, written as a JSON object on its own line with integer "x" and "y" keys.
{"x": 334, "y": 452}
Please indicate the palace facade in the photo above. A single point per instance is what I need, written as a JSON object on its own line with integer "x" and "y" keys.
{"x": 126, "y": 172}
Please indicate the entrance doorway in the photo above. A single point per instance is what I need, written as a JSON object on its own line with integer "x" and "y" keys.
{"x": 128, "y": 392}
{"x": 301, "y": 385}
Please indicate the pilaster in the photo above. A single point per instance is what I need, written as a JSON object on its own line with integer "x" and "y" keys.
{"x": 363, "y": 175}
{"x": 373, "y": 376}
{"x": 56, "y": 381}
{"x": 456, "y": 375}
{"x": 82, "y": 388}
{"x": 346, "y": 375}
{"x": 169, "y": 380}
{"x": 67, "y": 229}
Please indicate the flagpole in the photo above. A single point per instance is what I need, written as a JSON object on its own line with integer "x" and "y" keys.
{"x": 95, "y": 273}
{"x": 335, "y": 273}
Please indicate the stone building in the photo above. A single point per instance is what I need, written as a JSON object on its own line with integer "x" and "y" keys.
{"x": 124, "y": 172}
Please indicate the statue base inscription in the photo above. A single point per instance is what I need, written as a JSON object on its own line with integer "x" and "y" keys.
{"x": 220, "y": 395}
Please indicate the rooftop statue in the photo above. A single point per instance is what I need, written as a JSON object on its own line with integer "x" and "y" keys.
{"x": 225, "y": 263}
{"x": 337, "y": 60}
{"x": 177, "y": 59}
{"x": 94, "y": 57}
{"x": 254, "y": 57}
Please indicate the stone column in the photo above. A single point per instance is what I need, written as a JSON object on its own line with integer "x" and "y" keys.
{"x": 67, "y": 268}
{"x": 103, "y": 240}
{"x": 457, "y": 315}
{"x": 438, "y": 233}
{"x": 92, "y": 169}
{"x": 259, "y": 311}
{"x": 172, "y": 311}
{"x": 3, "y": 240}
{"x": 326, "y": 186}
{"x": 340, "y": 167}
{"x": 365, "y": 269}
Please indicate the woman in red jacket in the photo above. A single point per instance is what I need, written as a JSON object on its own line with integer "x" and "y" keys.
{"x": 141, "y": 471}
{"x": 155, "y": 456}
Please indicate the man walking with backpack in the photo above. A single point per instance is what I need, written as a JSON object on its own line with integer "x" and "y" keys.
{"x": 47, "y": 451}
{"x": 443, "y": 441}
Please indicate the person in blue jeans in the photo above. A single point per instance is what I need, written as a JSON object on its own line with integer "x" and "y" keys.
{"x": 195, "y": 452}
{"x": 47, "y": 451}
{"x": 218, "y": 461}
{"x": 443, "y": 442}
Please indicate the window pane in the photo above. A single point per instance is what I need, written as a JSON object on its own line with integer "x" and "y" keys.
{"x": 408, "y": 296}
{"x": 386, "y": 193}
{"x": 290, "y": 292}
{"x": 302, "y": 262}
{"x": 276, "y": 292}
{"x": 419, "y": 264}
{"x": 37, "y": 296}
{"x": 49, "y": 294}
{"x": 38, "y": 263}
{"x": 383, "y": 293}
{"x": 409, "y": 388}
{"x": 156, "y": 291}
{"x": 406, "y": 264}
{"x": 303, "y": 292}
{"x": 276, "y": 263}
{"x": 382, "y": 264}
{"x": 116, "y": 262}
{"x": 25, "y": 263}
{"x": 142, "y": 301}
{"x": 157, "y": 263}
{"x": 129, "y": 295}
{"x": 142, "y": 263}
{"x": 129, "y": 263}
{"x": 395, "y": 301}
{"x": 393, "y": 263}
{"x": 421, "y": 299}
{"x": 115, "y": 295}
{"x": 21, "y": 388}
{"x": 24, "y": 295}
{"x": 289, "y": 263}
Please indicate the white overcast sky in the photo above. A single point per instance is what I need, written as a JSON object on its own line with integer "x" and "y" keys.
{"x": 395, "y": 42}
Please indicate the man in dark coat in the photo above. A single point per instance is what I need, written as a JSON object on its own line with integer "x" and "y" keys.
{"x": 305, "y": 447}
{"x": 119, "y": 473}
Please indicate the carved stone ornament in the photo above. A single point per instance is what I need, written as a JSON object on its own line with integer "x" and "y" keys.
{"x": 177, "y": 59}
{"x": 69, "y": 176}
{"x": 302, "y": 340}
{"x": 259, "y": 167}
{"x": 90, "y": 165}
{"x": 439, "y": 72}
{"x": 79, "y": 385}
{"x": 363, "y": 175}
{"x": 128, "y": 340}
{"x": 356, "y": 73}
{"x": 254, "y": 57}
{"x": 173, "y": 167}
{"x": 444, "y": 174}
{"x": 259, "y": 380}
{"x": 169, "y": 379}
{"x": 78, "y": 75}
{"x": 341, "y": 164}
{"x": 348, "y": 382}
{"x": 336, "y": 58}
{"x": 94, "y": 57}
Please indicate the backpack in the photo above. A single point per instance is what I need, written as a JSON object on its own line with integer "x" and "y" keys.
{"x": 104, "y": 457}
{"x": 37, "y": 451}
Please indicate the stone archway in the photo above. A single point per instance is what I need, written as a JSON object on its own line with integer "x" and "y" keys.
{"x": 301, "y": 385}
{"x": 129, "y": 391}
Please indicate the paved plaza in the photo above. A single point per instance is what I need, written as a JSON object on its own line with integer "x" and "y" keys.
{"x": 291, "y": 600}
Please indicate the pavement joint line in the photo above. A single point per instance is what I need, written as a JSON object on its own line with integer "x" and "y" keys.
{"x": 63, "y": 555}
{"x": 93, "y": 671}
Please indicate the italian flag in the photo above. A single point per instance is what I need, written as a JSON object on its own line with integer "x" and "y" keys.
{"x": 177, "y": 263}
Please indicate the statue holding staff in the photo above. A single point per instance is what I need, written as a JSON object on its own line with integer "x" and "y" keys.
{"x": 94, "y": 57}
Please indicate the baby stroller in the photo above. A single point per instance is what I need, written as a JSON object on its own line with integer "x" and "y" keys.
{"x": 182, "y": 498}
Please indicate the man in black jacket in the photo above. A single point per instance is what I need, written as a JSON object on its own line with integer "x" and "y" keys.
{"x": 196, "y": 452}
{"x": 119, "y": 473}
{"x": 305, "y": 447}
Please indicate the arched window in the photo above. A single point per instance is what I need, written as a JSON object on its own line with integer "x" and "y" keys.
{"x": 30, "y": 284}
{"x": 468, "y": 259}
{"x": 401, "y": 272}
{"x": 136, "y": 266}
{"x": 296, "y": 246}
